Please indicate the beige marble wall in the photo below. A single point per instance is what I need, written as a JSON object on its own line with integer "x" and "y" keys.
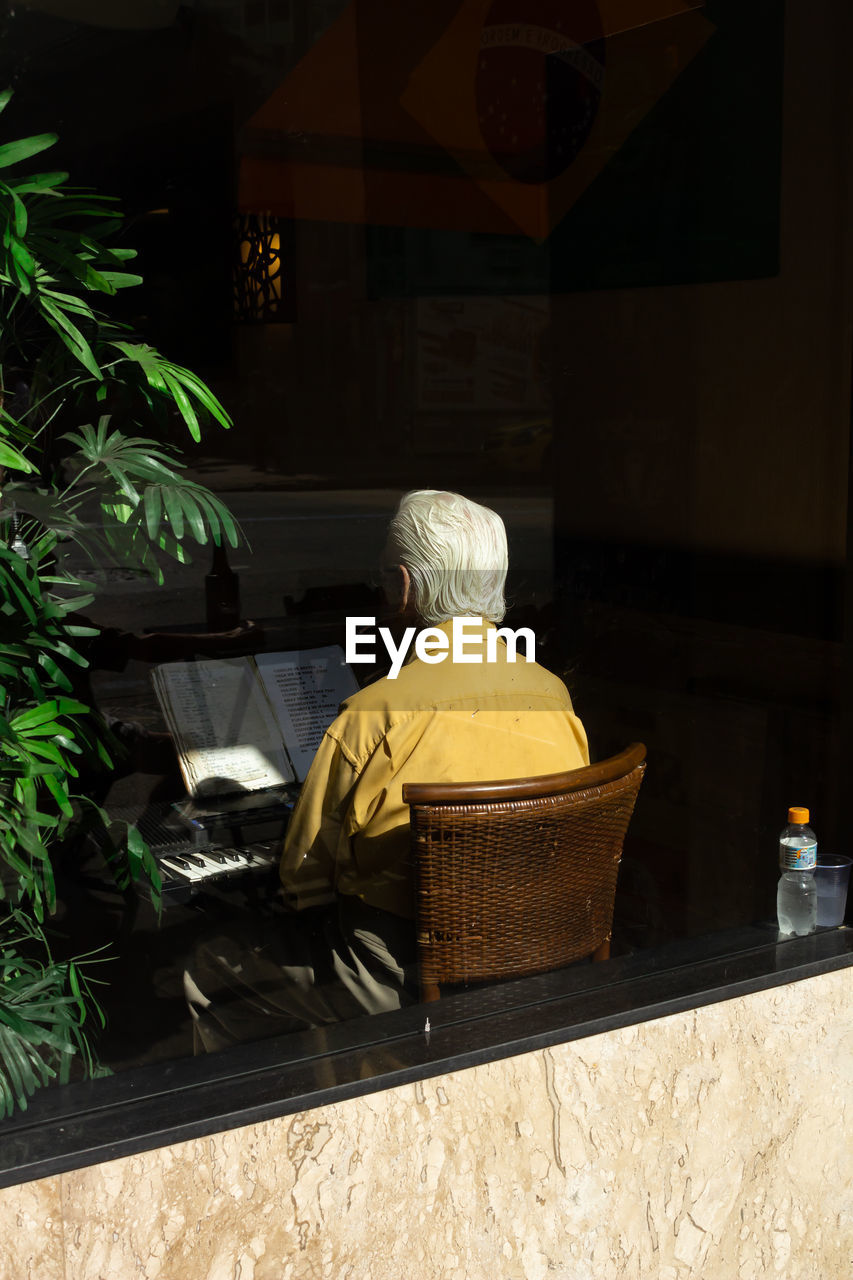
{"x": 715, "y": 1144}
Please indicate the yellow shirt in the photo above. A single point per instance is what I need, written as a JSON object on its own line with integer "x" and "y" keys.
{"x": 442, "y": 722}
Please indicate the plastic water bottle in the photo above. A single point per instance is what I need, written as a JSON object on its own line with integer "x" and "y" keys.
{"x": 796, "y": 897}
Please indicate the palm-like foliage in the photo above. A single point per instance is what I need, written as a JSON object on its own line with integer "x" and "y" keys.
{"x": 64, "y": 365}
{"x": 45, "y": 1010}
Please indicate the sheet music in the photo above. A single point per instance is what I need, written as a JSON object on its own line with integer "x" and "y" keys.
{"x": 305, "y": 688}
{"x": 225, "y": 731}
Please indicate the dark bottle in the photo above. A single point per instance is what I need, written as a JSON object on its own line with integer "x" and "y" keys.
{"x": 222, "y": 593}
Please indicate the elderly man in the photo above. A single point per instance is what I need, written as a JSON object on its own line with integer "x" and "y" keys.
{"x": 444, "y": 717}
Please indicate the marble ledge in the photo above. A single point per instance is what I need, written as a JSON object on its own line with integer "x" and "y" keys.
{"x": 714, "y": 1143}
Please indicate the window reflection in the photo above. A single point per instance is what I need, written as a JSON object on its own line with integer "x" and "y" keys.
{"x": 535, "y": 258}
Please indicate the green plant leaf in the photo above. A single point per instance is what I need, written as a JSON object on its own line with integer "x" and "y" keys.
{"x": 14, "y": 152}
{"x": 218, "y": 514}
{"x": 24, "y": 260}
{"x": 8, "y": 584}
{"x": 71, "y": 336}
{"x": 174, "y": 510}
{"x": 145, "y": 357}
{"x": 202, "y": 393}
{"x": 180, "y": 383}
{"x": 14, "y": 460}
{"x": 55, "y": 673}
{"x": 193, "y": 514}
{"x": 128, "y": 490}
{"x": 185, "y": 408}
{"x": 44, "y": 1010}
{"x": 49, "y": 751}
{"x": 19, "y": 210}
{"x": 153, "y": 502}
{"x": 172, "y": 547}
{"x": 21, "y": 278}
{"x": 41, "y": 182}
{"x": 121, "y": 279}
{"x": 19, "y": 1078}
{"x": 67, "y": 301}
{"x": 59, "y": 793}
{"x": 50, "y": 710}
{"x": 65, "y": 651}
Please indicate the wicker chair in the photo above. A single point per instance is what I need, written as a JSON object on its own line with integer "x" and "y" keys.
{"x": 518, "y": 877}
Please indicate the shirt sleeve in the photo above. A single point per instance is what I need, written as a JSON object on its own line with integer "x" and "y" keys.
{"x": 318, "y": 828}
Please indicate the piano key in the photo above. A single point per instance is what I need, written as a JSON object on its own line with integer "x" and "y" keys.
{"x": 184, "y": 869}
{"x": 191, "y": 869}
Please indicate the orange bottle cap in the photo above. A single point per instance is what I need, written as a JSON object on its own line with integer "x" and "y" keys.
{"x": 798, "y": 815}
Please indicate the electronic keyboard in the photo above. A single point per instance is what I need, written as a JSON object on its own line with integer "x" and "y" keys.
{"x": 198, "y": 849}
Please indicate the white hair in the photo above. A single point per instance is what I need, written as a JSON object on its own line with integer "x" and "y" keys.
{"x": 456, "y": 555}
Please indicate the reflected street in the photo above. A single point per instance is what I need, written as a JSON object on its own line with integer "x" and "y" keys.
{"x": 292, "y": 539}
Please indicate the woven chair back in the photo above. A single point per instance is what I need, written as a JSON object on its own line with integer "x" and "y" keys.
{"x": 515, "y": 878}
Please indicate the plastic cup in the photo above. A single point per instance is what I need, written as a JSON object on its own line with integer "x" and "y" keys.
{"x": 832, "y": 875}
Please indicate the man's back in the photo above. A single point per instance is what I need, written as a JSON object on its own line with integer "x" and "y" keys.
{"x": 436, "y": 722}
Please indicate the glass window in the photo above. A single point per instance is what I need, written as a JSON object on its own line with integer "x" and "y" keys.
{"x": 567, "y": 265}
